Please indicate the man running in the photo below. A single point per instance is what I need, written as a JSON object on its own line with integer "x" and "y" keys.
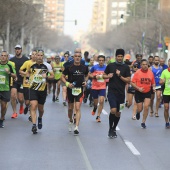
{"x": 17, "y": 88}
{"x": 6, "y": 72}
{"x": 119, "y": 75}
{"x": 165, "y": 79}
{"x": 36, "y": 76}
{"x": 77, "y": 75}
{"x": 143, "y": 81}
{"x": 98, "y": 86}
{"x": 157, "y": 70}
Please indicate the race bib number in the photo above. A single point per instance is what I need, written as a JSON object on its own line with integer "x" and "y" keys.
{"x": 2, "y": 79}
{"x": 76, "y": 91}
{"x": 57, "y": 70}
{"x": 157, "y": 87}
{"x": 38, "y": 79}
{"x": 100, "y": 80}
{"x": 121, "y": 107}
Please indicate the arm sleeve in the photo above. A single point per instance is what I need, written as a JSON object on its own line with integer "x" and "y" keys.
{"x": 24, "y": 66}
{"x": 127, "y": 72}
{"x": 92, "y": 70}
{"x": 107, "y": 70}
{"x": 65, "y": 72}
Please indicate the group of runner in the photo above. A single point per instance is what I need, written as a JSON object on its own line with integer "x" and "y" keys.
{"x": 30, "y": 81}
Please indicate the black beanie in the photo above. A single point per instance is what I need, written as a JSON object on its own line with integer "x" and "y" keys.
{"x": 120, "y": 52}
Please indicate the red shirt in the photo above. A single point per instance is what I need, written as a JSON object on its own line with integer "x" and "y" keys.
{"x": 144, "y": 79}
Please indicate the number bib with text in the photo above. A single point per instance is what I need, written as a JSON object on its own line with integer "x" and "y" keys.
{"x": 2, "y": 79}
{"x": 76, "y": 91}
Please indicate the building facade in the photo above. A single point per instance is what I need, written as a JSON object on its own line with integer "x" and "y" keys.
{"x": 54, "y": 14}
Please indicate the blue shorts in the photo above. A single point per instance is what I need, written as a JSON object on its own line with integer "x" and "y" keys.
{"x": 97, "y": 93}
{"x": 115, "y": 100}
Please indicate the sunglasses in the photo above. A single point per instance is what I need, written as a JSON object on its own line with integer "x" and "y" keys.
{"x": 135, "y": 66}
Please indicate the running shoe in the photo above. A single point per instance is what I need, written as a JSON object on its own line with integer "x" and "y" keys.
{"x": 110, "y": 133}
{"x": 21, "y": 110}
{"x": 57, "y": 99}
{"x": 91, "y": 104}
{"x": 64, "y": 103}
{"x": 14, "y": 116}
{"x": 70, "y": 126}
{"x": 1, "y": 124}
{"x": 53, "y": 99}
{"x": 85, "y": 100}
{"x": 167, "y": 126}
{"x": 30, "y": 119}
{"x": 98, "y": 119}
{"x": 143, "y": 125}
{"x": 39, "y": 123}
{"x": 26, "y": 110}
{"x": 76, "y": 131}
{"x": 114, "y": 134}
{"x": 137, "y": 116}
{"x": 34, "y": 129}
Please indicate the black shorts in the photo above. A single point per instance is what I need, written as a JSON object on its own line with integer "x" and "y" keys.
{"x": 166, "y": 98}
{"x": 40, "y": 96}
{"x": 50, "y": 81}
{"x": 55, "y": 81}
{"x": 5, "y": 96}
{"x": 26, "y": 93}
{"x": 140, "y": 97}
{"x": 115, "y": 100}
{"x": 72, "y": 98}
{"x": 131, "y": 90}
{"x": 18, "y": 86}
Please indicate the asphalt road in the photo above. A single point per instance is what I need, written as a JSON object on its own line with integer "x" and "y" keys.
{"x": 54, "y": 148}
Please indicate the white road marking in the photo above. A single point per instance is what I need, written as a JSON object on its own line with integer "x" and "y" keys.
{"x": 87, "y": 162}
{"x": 131, "y": 147}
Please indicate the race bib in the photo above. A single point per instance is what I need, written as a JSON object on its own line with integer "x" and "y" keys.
{"x": 157, "y": 87}
{"x": 76, "y": 91}
{"x": 57, "y": 70}
{"x": 100, "y": 80}
{"x": 121, "y": 107}
{"x": 38, "y": 79}
{"x": 2, "y": 79}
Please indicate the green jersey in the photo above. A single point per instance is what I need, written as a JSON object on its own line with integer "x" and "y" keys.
{"x": 5, "y": 77}
{"x": 166, "y": 75}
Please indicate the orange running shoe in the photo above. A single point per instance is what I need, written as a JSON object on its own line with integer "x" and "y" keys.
{"x": 93, "y": 113}
{"x": 21, "y": 110}
{"x": 98, "y": 119}
{"x": 14, "y": 115}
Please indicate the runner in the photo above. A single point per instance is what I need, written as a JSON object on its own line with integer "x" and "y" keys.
{"x": 165, "y": 79}
{"x": 57, "y": 69}
{"x": 6, "y": 72}
{"x": 23, "y": 72}
{"x": 98, "y": 86}
{"x": 143, "y": 81}
{"x": 75, "y": 83}
{"x": 119, "y": 75}
{"x": 157, "y": 70}
{"x": 36, "y": 76}
{"x": 17, "y": 88}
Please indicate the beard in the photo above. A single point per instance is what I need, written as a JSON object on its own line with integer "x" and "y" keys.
{"x": 156, "y": 64}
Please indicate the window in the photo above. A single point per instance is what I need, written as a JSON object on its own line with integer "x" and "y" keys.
{"x": 114, "y": 22}
{"x": 114, "y": 13}
{"x": 114, "y": 4}
{"x": 122, "y": 4}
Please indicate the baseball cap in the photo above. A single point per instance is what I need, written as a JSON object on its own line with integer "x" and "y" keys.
{"x": 127, "y": 57}
{"x": 18, "y": 46}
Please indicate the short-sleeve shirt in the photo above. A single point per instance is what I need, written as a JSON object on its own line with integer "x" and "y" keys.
{"x": 37, "y": 82}
{"x": 144, "y": 79}
{"x": 76, "y": 74}
{"x": 98, "y": 84}
{"x": 18, "y": 63}
{"x": 25, "y": 67}
{"x": 5, "y": 77}
{"x": 166, "y": 75}
{"x": 116, "y": 85}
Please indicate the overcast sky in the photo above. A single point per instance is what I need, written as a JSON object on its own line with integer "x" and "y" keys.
{"x": 81, "y": 10}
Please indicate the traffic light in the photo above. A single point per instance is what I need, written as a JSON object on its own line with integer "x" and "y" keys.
{"x": 75, "y": 22}
{"x": 121, "y": 16}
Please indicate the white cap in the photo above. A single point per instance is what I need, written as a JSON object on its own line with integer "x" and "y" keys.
{"x": 18, "y": 46}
